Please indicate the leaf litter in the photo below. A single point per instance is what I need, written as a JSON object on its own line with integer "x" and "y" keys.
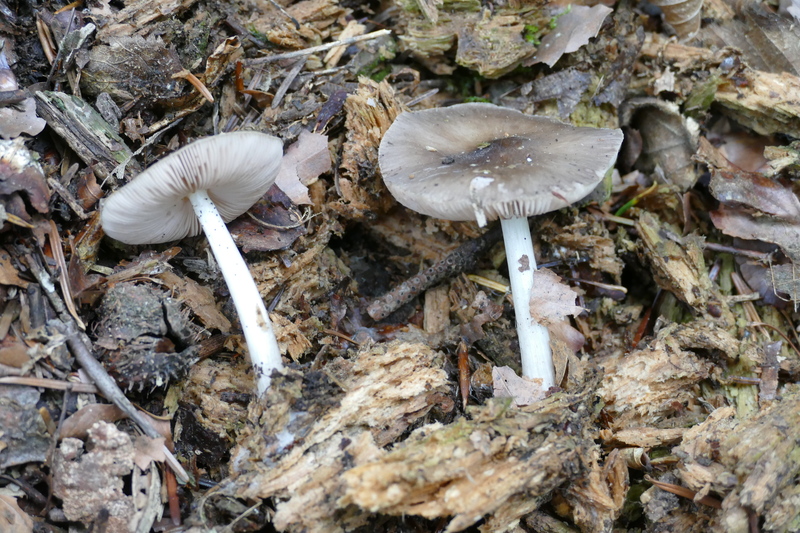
{"x": 669, "y": 284}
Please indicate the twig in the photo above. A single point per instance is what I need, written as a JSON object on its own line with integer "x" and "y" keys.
{"x": 67, "y": 197}
{"x": 287, "y": 82}
{"x": 79, "y": 343}
{"x": 55, "y": 384}
{"x": 461, "y": 259}
{"x": 315, "y": 49}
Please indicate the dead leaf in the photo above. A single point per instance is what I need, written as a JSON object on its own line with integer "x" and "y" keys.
{"x": 757, "y": 208}
{"x": 682, "y": 15}
{"x": 21, "y": 174}
{"x": 551, "y": 303}
{"x": 147, "y": 450}
{"x": 303, "y": 163}
{"x": 573, "y": 30}
{"x": 77, "y": 425}
{"x": 132, "y": 67}
{"x": 273, "y": 223}
{"x": 20, "y": 118}
{"x": 669, "y": 139}
{"x": 8, "y": 273}
{"x": 12, "y": 518}
{"x": 767, "y": 41}
{"x": 522, "y": 390}
{"x": 199, "y": 299}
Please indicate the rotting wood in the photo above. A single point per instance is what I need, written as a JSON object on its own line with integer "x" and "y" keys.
{"x": 85, "y": 132}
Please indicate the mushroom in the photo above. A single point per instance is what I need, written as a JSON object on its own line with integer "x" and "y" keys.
{"x": 200, "y": 187}
{"x": 482, "y": 162}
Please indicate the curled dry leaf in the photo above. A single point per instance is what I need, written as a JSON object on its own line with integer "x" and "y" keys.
{"x": 21, "y": 175}
{"x": 77, "y": 425}
{"x": 303, "y": 163}
{"x": 669, "y": 140}
{"x": 551, "y": 303}
{"x": 522, "y": 390}
{"x": 273, "y": 223}
{"x": 148, "y": 450}
{"x": 132, "y": 67}
{"x": 12, "y": 518}
{"x": 682, "y": 15}
{"x": 758, "y": 208}
{"x": 573, "y": 30}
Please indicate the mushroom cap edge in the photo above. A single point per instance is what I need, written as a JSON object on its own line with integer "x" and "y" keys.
{"x": 235, "y": 168}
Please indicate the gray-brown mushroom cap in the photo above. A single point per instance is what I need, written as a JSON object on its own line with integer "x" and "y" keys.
{"x": 235, "y": 168}
{"x": 483, "y": 162}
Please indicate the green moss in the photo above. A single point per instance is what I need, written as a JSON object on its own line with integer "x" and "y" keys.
{"x": 554, "y": 21}
{"x": 260, "y": 35}
{"x": 702, "y": 96}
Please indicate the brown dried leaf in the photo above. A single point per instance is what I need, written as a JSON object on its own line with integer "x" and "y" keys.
{"x": 77, "y": 425}
{"x": 551, "y": 303}
{"x": 273, "y": 223}
{"x": 740, "y": 223}
{"x": 750, "y": 189}
{"x": 669, "y": 140}
{"x": 8, "y": 272}
{"x": 20, "y": 173}
{"x": 20, "y": 118}
{"x": 768, "y": 41}
{"x": 148, "y": 450}
{"x": 132, "y": 67}
{"x": 522, "y": 390}
{"x": 757, "y": 208}
{"x": 302, "y": 164}
{"x": 573, "y": 30}
{"x": 199, "y": 299}
{"x": 551, "y": 300}
{"x": 12, "y": 518}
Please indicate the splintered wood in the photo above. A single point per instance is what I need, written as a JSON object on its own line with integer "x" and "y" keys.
{"x": 310, "y": 428}
{"x": 480, "y": 466}
{"x": 370, "y": 112}
{"x": 657, "y": 383}
{"x": 316, "y": 447}
{"x": 753, "y": 463}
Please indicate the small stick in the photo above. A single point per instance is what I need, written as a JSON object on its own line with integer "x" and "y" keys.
{"x": 463, "y": 373}
{"x": 55, "y": 384}
{"x": 461, "y": 259}
{"x": 64, "y": 193}
{"x": 315, "y": 49}
{"x": 287, "y": 82}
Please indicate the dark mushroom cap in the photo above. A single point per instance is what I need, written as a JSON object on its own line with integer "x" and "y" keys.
{"x": 235, "y": 168}
{"x": 482, "y": 162}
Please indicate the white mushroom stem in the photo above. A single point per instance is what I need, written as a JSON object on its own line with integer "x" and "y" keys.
{"x": 534, "y": 340}
{"x": 261, "y": 343}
